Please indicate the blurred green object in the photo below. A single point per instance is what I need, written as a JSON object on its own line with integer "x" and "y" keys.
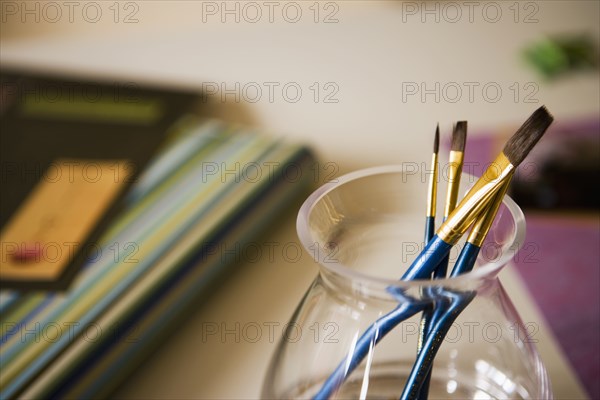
{"x": 555, "y": 56}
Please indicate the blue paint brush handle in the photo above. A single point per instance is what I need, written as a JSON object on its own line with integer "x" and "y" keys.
{"x": 466, "y": 259}
{"x": 427, "y": 312}
{"x": 368, "y": 339}
{"x": 426, "y": 262}
{"x": 439, "y": 273}
{"x": 465, "y": 263}
{"x": 429, "y": 228}
{"x": 429, "y": 316}
{"x": 442, "y": 269}
{"x": 440, "y": 327}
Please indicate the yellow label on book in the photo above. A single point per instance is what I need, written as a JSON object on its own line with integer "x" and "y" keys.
{"x": 42, "y": 237}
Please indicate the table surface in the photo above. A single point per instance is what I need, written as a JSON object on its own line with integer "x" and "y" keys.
{"x": 362, "y": 83}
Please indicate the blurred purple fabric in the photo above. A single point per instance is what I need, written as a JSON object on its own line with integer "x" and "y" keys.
{"x": 560, "y": 268}
{"x": 560, "y": 261}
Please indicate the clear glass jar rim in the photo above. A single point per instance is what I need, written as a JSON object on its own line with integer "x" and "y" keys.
{"x": 481, "y": 272}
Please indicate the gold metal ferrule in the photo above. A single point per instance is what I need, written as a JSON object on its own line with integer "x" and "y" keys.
{"x": 478, "y": 198}
{"x": 432, "y": 188}
{"x": 482, "y": 226}
{"x": 455, "y": 164}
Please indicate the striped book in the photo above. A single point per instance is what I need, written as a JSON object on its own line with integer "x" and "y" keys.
{"x": 211, "y": 190}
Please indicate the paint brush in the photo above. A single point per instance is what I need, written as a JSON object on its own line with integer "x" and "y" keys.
{"x": 444, "y": 316}
{"x": 480, "y": 195}
{"x": 432, "y": 189}
{"x": 430, "y": 225}
{"x": 455, "y": 164}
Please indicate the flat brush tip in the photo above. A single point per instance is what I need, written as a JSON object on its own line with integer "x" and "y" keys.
{"x": 436, "y": 140}
{"x": 459, "y": 136}
{"x": 526, "y": 137}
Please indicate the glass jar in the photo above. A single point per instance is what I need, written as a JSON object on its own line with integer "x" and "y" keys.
{"x": 364, "y": 229}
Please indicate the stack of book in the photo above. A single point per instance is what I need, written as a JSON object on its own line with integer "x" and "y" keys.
{"x": 209, "y": 191}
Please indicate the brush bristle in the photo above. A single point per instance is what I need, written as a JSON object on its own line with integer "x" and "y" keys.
{"x": 521, "y": 143}
{"x": 436, "y": 140}
{"x": 459, "y": 136}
